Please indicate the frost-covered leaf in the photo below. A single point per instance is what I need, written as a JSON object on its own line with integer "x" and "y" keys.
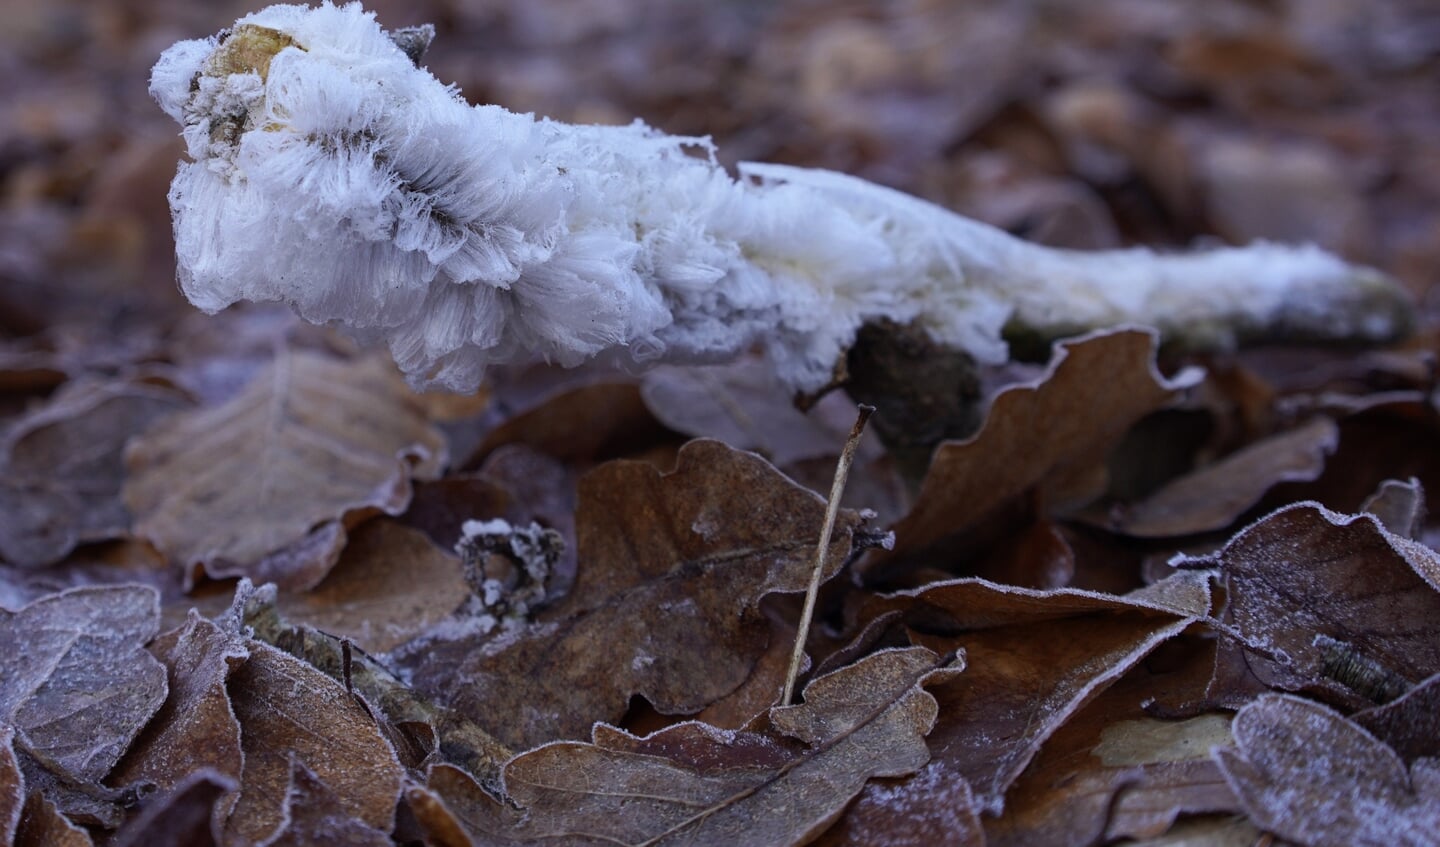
{"x": 196, "y": 728}
{"x": 315, "y": 814}
{"x": 186, "y": 816}
{"x": 1309, "y": 775}
{"x": 42, "y": 825}
{"x": 261, "y": 485}
{"x": 391, "y": 584}
{"x": 1095, "y": 389}
{"x": 1334, "y": 601}
{"x": 78, "y": 684}
{"x": 1409, "y": 724}
{"x": 12, "y": 786}
{"x": 743, "y": 404}
{"x": 61, "y": 468}
{"x": 1113, "y": 771}
{"x": 288, "y": 712}
{"x": 935, "y": 806}
{"x": 693, "y": 784}
{"x": 1216, "y": 495}
{"x": 1399, "y": 506}
{"x": 672, "y": 568}
{"x": 1033, "y": 658}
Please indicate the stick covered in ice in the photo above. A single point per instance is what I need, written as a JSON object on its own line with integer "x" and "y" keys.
{"x": 330, "y": 172}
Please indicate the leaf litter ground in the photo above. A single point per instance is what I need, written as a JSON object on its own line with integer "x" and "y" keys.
{"x": 1153, "y": 599}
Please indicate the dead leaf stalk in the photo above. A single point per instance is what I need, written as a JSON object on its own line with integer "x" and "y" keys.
{"x": 832, "y": 508}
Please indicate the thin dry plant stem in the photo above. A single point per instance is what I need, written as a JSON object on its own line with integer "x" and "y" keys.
{"x": 832, "y": 508}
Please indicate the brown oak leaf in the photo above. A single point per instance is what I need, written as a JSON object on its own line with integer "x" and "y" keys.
{"x": 672, "y": 569}
{"x": 1055, "y": 429}
{"x": 1033, "y": 658}
{"x": 1112, "y": 771}
{"x": 1216, "y": 495}
{"x": 694, "y": 784}
{"x": 1332, "y": 603}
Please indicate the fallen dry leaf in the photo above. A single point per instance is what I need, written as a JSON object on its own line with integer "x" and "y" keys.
{"x": 289, "y": 712}
{"x": 61, "y": 468}
{"x": 672, "y": 568}
{"x": 79, "y": 685}
{"x": 935, "y": 806}
{"x": 186, "y": 816}
{"x": 694, "y": 784}
{"x": 1304, "y": 575}
{"x": 414, "y": 725}
{"x": 582, "y": 424}
{"x": 1033, "y": 658}
{"x": 1399, "y": 506}
{"x": 1410, "y": 724}
{"x": 516, "y": 482}
{"x": 1218, "y": 494}
{"x": 1116, "y": 122}
{"x": 315, "y": 814}
{"x": 1309, "y": 775}
{"x": 261, "y": 485}
{"x": 196, "y": 728}
{"x": 390, "y": 585}
{"x": 12, "y": 786}
{"x": 1112, "y": 771}
{"x": 42, "y": 825}
{"x": 1095, "y": 389}
{"x": 743, "y": 404}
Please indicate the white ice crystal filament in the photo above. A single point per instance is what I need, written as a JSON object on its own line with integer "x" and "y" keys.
{"x": 331, "y": 173}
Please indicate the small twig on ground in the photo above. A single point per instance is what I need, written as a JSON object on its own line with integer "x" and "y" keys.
{"x": 832, "y": 508}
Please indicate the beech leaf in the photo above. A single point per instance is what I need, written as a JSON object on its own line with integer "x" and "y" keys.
{"x": 1309, "y": 775}
{"x": 196, "y": 729}
{"x": 61, "y": 468}
{"x": 185, "y": 816}
{"x": 78, "y": 684}
{"x": 672, "y": 569}
{"x": 12, "y": 786}
{"x": 314, "y": 814}
{"x": 391, "y": 584}
{"x": 260, "y": 486}
{"x": 744, "y": 404}
{"x": 289, "y": 711}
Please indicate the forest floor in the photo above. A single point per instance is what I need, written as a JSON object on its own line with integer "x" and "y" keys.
{"x": 1154, "y": 599}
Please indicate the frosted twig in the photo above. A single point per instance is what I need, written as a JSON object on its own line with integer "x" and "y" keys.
{"x": 330, "y": 172}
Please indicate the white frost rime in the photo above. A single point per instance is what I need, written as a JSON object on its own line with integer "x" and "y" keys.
{"x": 331, "y": 173}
